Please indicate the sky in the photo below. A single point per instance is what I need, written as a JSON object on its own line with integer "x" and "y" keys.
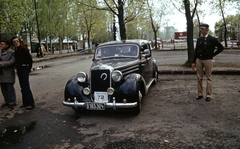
{"x": 178, "y": 20}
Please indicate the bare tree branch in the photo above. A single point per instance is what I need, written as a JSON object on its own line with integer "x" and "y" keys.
{"x": 179, "y": 9}
{"x": 195, "y": 8}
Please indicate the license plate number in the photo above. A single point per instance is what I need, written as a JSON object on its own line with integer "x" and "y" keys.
{"x": 95, "y": 106}
{"x": 101, "y": 97}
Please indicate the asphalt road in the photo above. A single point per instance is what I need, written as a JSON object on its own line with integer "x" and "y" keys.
{"x": 170, "y": 118}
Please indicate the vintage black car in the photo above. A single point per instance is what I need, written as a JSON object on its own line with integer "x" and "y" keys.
{"x": 121, "y": 73}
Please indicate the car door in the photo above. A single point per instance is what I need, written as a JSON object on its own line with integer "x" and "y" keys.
{"x": 146, "y": 64}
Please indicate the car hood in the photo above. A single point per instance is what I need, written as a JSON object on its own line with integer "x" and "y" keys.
{"x": 117, "y": 63}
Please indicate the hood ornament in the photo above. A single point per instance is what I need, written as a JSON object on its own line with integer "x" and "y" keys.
{"x": 99, "y": 62}
{"x": 103, "y": 76}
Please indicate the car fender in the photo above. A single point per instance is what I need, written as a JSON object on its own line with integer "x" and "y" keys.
{"x": 132, "y": 83}
{"x": 74, "y": 89}
{"x": 155, "y": 68}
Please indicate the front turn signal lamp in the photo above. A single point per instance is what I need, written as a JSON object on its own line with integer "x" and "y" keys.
{"x": 110, "y": 91}
{"x": 86, "y": 91}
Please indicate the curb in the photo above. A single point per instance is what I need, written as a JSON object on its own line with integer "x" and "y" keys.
{"x": 55, "y": 57}
{"x": 186, "y": 72}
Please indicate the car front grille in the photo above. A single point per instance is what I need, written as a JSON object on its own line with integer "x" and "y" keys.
{"x": 100, "y": 80}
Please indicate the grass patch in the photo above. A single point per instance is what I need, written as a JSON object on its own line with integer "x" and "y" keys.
{"x": 228, "y": 65}
{"x": 187, "y": 64}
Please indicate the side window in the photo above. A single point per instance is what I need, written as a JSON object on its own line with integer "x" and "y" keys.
{"x": 142, "y": 48}
{"x": 149, "y": 47}
{"x": 146, "y": 47}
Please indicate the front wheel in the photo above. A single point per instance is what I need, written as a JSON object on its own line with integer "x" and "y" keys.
{"x": 139, "y": 103}
{"x": 155, "y": 75}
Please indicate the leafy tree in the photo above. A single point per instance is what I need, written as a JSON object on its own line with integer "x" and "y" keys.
{"x": 12, "y": 17}
{"x": 88, "y": 18}
{"x": 190, "y": 8}
{"x": 132, "y": 31}
{"x": 120, "y": 8}
{"x": 231, "y": 23}
{"x": 53, "y": 19}
{"x": 103, "y": 31}
{"x": 223, "y": 6}
{"x": 189, "y": 17}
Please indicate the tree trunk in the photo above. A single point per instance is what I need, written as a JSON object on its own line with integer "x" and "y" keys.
{"x": 225, "y": 34}
{"x": 224, "y": 23}
{"x": 121, "y": 20}
{"x": 60, "y": 45}
{"x": 190, "y": 45}
{"x": 50, "y": 38}
{"x": 155, "y": 37}
{"x": 88, "y": 38}
{"x": 155, "y": 34}
{"x": 38, "y": 30}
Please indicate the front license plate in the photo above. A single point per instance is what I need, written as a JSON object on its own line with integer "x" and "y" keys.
{"x": 95, "y": 106}
{"x": 100, "y": 97}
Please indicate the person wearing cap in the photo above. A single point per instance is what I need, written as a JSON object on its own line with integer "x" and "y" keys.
{"x": 7, "y": 74}
{"x": 24, "y": 67}
{"x": 202, "y": 60}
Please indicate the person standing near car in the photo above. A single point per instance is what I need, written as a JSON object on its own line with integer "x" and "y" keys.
{"x": 202, "y": 60}
{"x": 23, "y": 66}
{"x": 7, "y": 74}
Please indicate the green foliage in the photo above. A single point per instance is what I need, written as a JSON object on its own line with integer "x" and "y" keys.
{"x": 132, "y": 30}
{"x": 12, "y": 16}
{"x": 187, "y": 64}
{"x": 232, "y": 22}
{"x": 53, "y": 18}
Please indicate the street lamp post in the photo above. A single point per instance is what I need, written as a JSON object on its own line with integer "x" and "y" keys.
{"x": 39, "y": 37}
{"x": 67, "y": 37}
{"x": 61, "y": 38}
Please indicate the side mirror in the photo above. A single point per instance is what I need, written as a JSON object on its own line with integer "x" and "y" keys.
{"x": 147, "y": 53}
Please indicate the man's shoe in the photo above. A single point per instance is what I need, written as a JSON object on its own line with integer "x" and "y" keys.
{"x": 4, "y": 105}
{"x": 199, "y": 97}
{"x": 29, "y": 107}
{"x": 22, "y": 106}
{"x": 11, "y": 105}
{"x": 208, "y": 99}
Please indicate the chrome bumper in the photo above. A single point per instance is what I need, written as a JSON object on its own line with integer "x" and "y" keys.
{"x": 112, "y": 105}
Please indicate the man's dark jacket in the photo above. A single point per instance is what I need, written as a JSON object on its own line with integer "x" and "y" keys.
{"x": 23, "y": 57}
{"x": 207, "y": 51}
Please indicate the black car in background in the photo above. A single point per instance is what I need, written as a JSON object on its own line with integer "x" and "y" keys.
{"x": 121, "y": 73}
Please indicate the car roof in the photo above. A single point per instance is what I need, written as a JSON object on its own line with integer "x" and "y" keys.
{"x": 130, "y": 41}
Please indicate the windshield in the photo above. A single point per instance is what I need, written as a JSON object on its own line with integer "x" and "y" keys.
{"x": 117, "y": 51}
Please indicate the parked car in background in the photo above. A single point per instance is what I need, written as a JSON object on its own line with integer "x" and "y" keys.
{"x": 121, "y": 73}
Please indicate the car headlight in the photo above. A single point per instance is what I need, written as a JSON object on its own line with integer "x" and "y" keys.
{"x": 117, "y": 75}
{"x": 81, "y": 77}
